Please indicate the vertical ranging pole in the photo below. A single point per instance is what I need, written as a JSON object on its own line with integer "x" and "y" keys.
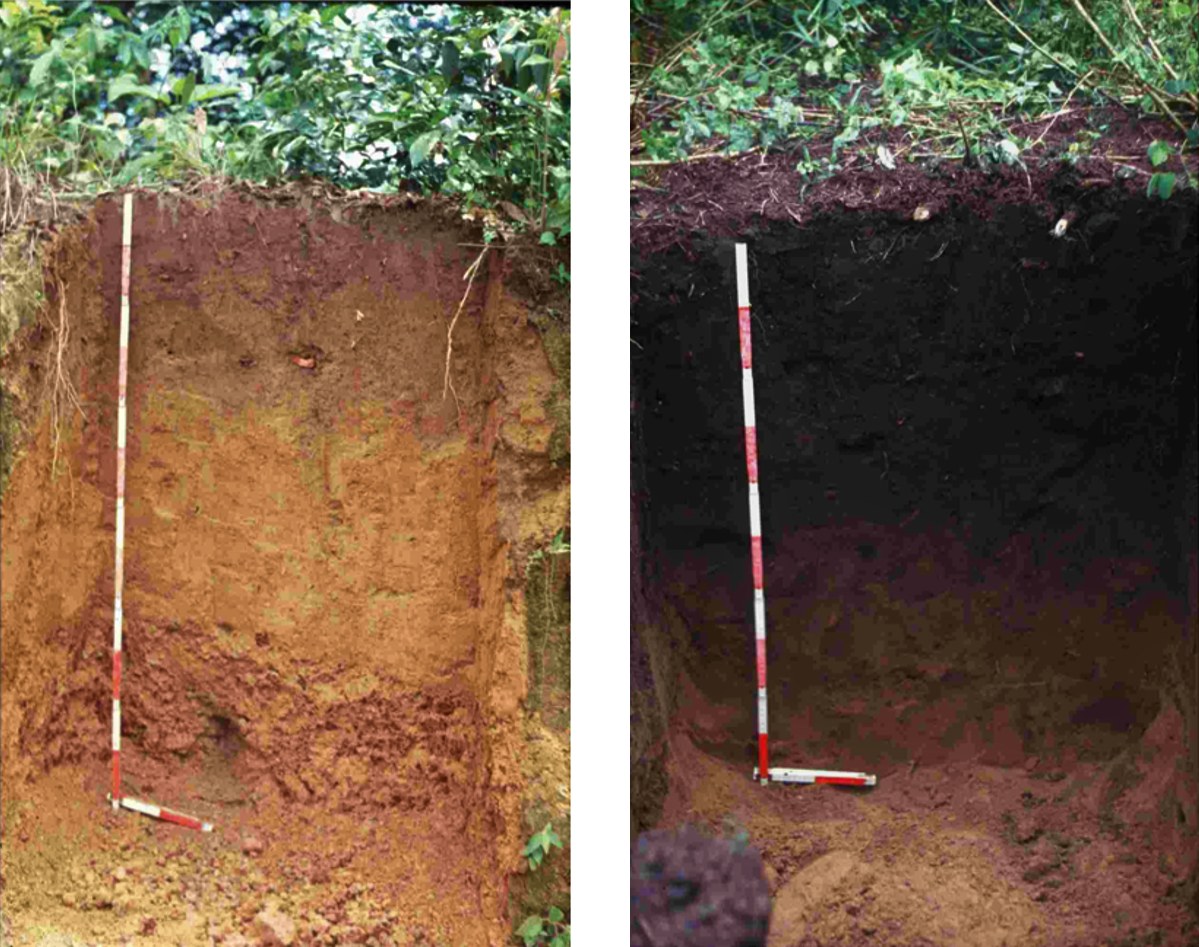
{"x": 755, "y": 516}
{"x": 762, "y": 771}
{"x": 115, "y": 797}
{"x": 123, "y": 371}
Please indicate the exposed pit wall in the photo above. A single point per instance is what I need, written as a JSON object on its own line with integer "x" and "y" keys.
{"x": 655, "y": 660}
{"x": 322, "y": 565}
{"x": 1187, "y": 654}
{"x": 1154, "y": 785}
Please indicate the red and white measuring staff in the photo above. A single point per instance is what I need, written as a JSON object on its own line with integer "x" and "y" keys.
{"x": 166, "y": 815}
{"x": 123, "y": 373}
{"x": 762, "y": 771}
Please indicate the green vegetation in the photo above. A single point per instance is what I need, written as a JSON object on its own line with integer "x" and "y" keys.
{"x": 550, "y": 930}
{"x": 717, "y": 78}
{"x": 460, "y": 100}
{"x": 545, "y": 763}
{"x": 547, "y": 605}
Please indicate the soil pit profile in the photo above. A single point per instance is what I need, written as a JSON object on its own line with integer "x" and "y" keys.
{"x": 326, "y": 540}
{"x": 977, "y": 464}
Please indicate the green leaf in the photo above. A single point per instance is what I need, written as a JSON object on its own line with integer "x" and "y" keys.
{"x": 548, "y": 239}
{"x": 215, "y": 92}
{"x": 1159, "y": 152}
{"x": 530, "y": 930}
{"x": 328, "y": 14}
{"x": 546, "y": 835}
{"x": 1162, "y": 185}
{"x": 128, "y": 85}
{"x": 116, "y": 13}
{"x": 189, "y": 86}
{"x": 556, "y": 915}
{"x": 37, "y": 75}
{"x": 420, "y": 148}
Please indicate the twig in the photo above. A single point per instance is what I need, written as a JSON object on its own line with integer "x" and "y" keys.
{"x": 644, "y": 930}
{"x": 472, "y": 272}
{"x": 61, "y": 380}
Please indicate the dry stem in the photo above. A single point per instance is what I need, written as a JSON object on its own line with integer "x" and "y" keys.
{"x": 61, "y": 379}
{"x": 472, "y": 272}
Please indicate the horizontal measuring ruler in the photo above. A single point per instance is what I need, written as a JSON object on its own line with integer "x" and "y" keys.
{"x": 158, "y": 812}
{"x": 780, "y": 774}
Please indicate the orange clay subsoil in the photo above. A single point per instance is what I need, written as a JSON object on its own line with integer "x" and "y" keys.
{"x": 324, "y": 648}
{"x": 1022, "y": 798}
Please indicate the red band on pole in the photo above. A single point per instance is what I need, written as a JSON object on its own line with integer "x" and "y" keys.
{"x": 751, "y": 453}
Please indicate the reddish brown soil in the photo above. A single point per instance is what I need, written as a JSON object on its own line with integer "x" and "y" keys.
{"x": 1021, "y": 798}
{"x": 324, "y": 653}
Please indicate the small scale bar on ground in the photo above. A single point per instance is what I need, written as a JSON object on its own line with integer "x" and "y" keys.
{"x": 166, "y": 815}
{"x": 825, "y": 776}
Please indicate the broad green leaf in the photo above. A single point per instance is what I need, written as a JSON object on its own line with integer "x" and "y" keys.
{"x": 41, "y": 67}
{"x": 421, "y": 147}
{"x": 128, "y": 85}
{"x": 215, "y": 92}
{"x": 556, "y": 915}
{"x": 182, "y": 88}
